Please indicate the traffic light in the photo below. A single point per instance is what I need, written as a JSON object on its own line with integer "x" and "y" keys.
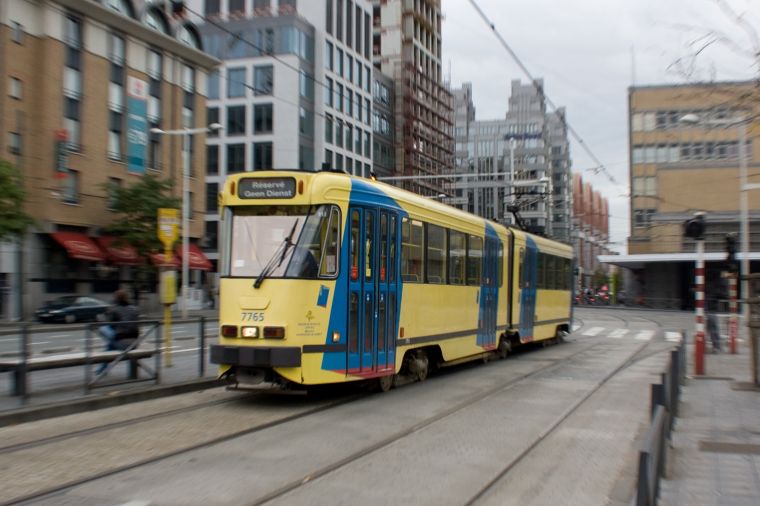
{"x": 695, "y": 227}
{"x": 731, "y": 252}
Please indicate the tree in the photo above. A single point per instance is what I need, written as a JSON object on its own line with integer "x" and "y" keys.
{"x": 137, "y": 209}
{"x": 13, "y": 220}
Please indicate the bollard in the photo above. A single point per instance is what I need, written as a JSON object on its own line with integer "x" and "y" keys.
{"x": 21, "y": 379}
{"x": 88, "y": 359}
{"x": 202, "y": 354}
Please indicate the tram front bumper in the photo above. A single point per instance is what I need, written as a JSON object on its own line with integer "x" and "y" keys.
{"x": 248, "y": 356}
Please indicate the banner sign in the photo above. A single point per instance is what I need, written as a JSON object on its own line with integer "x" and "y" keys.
{"x": 137, "y": 124}
{"x": 168, "y": 226}
{"x": 270, "y": 188}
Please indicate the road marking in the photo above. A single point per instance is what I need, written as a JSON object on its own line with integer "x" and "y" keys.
{"x": 618, "y": 333}
{"x": 576, "y": 327}
{"x": 644, "y": 335}
{"x": 674, "y": 337}
{"x": 593, "y": 331}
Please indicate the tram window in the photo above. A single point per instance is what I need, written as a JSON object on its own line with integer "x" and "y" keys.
{"x": 522, "y": 271}
{"x": 550, "y": 275}
{"x": 394, "y": 245}
{"x": 436, "y": 254}
{"x": 328, "y": 265}
{"x": 411, "y": 250}
{"x": 457, "y": 257}
{"x": 369, "y": 232}
{"x": 355, "y": 228}
{"x": 383, "y": 246}
{"x": 474, "y": 259}
{"x": 540, "y": 267}
{"x": 501, "y": 263}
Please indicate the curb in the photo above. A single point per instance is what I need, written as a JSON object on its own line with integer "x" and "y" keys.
{"x": 53, "y": 410}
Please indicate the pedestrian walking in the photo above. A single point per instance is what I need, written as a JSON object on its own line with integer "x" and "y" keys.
{"x": 714, "y": 332}
{"x": 123, "y": 330}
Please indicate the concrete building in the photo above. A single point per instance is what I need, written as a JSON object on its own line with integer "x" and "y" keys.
{"x": 294, "y": 89}
{"x": 522, "y": 160}
{"x": 590, "y": 231}
{"x": 81, "y": 82}
{"x": 383, "y": 126}
{"x": 678, "y": 168}
{"x": 407, "y": 48}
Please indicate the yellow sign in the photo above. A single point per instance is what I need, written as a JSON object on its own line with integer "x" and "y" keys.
{"x": 168, "y": 226}
{"x": 168, "y": 287}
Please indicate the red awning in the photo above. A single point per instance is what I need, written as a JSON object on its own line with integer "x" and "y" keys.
{"x": 123, "y": 254}
{"x": 79, "y": 246}
{"x": 159, "y": 259}
{"x": 196, "y": 259}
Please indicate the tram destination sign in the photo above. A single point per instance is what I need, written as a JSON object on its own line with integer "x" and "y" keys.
{"x": 271, "y": 188}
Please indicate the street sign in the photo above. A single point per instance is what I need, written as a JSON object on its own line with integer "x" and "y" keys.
{"x": 168, "y": 226}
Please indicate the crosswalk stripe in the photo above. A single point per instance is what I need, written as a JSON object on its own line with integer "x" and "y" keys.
{"x": 618, "y": 333}
{"x": 673, "y": 336}
{"x": 576, "y": 327}
{"x": 644, "y": 335}
{"x": 593, "y": 331}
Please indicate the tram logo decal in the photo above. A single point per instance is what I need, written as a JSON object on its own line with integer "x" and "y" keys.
{"x": 324, "y": 293}
{"x": 309, "y": 316}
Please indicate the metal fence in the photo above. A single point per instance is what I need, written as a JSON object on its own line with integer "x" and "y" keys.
{"x": 664, "y": 410}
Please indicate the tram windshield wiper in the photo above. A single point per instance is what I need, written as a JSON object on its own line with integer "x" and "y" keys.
{"x": 277, "y": 257}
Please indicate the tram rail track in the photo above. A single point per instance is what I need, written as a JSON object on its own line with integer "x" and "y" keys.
{"x": 634, "y": 357}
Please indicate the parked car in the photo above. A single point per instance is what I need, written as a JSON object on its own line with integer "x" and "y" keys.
{"x": 72, "y": 308}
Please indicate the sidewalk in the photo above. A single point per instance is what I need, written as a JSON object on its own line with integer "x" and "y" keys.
{"x": 715, "y": 453}
{"x": 61, "y": 391}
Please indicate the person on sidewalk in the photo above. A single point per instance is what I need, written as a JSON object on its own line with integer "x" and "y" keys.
{"x": 123, "y": 329}
{"x": 713, "y": 331}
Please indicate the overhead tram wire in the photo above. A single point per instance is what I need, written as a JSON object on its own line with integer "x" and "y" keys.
{"x": 540, "y": 90}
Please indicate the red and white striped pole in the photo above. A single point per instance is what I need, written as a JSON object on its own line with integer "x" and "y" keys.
{"x": 699, "y": 303}
{"x": 733, "y": 327}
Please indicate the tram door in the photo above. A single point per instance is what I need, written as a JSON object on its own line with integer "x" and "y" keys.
{"x": 528, "y": 285}
{"x": 373, "y": 281}
{"x": 490, "y": 289}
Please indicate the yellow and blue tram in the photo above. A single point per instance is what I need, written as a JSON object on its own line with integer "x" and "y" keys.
{"x": 329, "y": 278}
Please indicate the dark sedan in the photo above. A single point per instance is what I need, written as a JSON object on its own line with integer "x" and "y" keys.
{"x": 72, "y": 308}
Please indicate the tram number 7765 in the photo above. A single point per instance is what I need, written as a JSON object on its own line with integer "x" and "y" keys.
{"x": 252, "y": 317}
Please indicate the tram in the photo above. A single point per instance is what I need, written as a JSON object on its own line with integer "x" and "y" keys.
{"x": 330, "y": 278}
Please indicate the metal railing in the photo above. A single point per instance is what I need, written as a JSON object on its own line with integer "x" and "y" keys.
{"x": 664, "y": 410}
{"x": 25, "y": 331}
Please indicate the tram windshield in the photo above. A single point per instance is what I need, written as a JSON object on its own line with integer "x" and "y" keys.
{"x": 285, "y": 241}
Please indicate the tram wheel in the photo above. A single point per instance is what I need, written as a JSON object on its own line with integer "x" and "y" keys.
{"x": 385, "y": 383}
{"x": 505, "y": 347}
{"x": 422, "y": 366}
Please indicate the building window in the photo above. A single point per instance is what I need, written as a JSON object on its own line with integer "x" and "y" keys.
{"x": 287, "y": 7}
{"x": 328, "y": 55}
{"x": 339, "y": 133}
{"x": 154, "y": 149}
{"x": 263, "y": 118}
{"x": 643, "y": 217}
{"x": 328, "y": 158}
{"x": 306, "y": 85}
{"x": 339, "y": 62}
{"x": 235, "y": 82}
{"x": 329, "y": 16}
{"x": 211, "y": 7}
{"x": 15, "y": 88}
{"x": 212, "y": 191}
{"x": 305, "y": 158}
{"x": 18, "y": 33}
{"x": 114, "y": 184}
{"x": 367, "y": 145}
{"x": 212, "y": 116}
{"x": 211, "y": 235}
{"x": 644, "y": 186}
{"x": 212, "y": 160}
{"x": 358, "y": 141}
{"x": 329, "y": 92}
{"x": 237, "y": 7}
{"x": 72, "y": 81}
{"x": 263, "y": 80}
{"x": 262, "y": 7}
{"x": 339, "y": 21}
{"x": 306, "y": 122}
{"x": 114, "y": 135}
{"x": 70, "y": 190}
{"x": 349, "y": 100}
{"x": 235, "y": 120}
{"x": 212, "y": 85}
{"x": 339, "y": 97}
{"x": 328, "y": 128}
{"x": 235, "y": 158}
{"x": 14, "y": 143}
{"x": 262, "y": 155}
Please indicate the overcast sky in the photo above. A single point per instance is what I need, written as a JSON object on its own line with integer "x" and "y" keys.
{"x": 589, "y": 52}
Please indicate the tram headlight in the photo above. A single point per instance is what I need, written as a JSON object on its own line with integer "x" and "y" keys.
{"x": 250, "y": 332}
{"x": 274, "y": 332}
{"x": 336, "y": 337}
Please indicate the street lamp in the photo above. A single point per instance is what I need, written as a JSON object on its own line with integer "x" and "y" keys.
{"x": 741, "y": 124}
{"x": 186, "y": 133}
